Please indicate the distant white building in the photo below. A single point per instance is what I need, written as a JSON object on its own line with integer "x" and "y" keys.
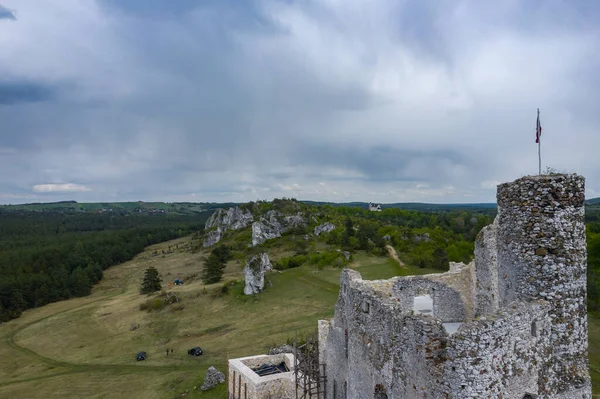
{"x": 374, "y": 207}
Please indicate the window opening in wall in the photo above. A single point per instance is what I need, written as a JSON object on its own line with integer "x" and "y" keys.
{"x": 345, "y": 390}
{"x": 423, "y": 304}
{"x": 534, "y": 328}
{"x": 346, "y": 342}
{"x": 334, "y": 389}
{"x": 529, "y": 396}
{"x": 366, "y": 307}
{"x": 451, "y": 328}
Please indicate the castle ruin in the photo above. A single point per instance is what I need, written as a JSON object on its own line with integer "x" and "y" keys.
{"x": 510, "y": 325}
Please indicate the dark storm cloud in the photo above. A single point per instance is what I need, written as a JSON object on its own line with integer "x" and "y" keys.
{"x": 384, "y": 163}
{"x": 232, "y": 100}
{"x": 24, "y": 92}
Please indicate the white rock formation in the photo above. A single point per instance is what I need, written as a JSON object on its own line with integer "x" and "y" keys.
{"x": 212, "y": 237}
{"x": 255, "y": 273}
{"x": 233, "y": 218}
{"x": 324, "y": 228}
{"x": 262, "y": 232}
{"x": 273, "y": 224}
{"x": 223, "y": 220}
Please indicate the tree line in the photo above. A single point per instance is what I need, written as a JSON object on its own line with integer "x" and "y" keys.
{"x": 46, "y": 257}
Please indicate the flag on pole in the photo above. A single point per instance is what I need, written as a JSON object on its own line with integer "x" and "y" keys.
{"x": 538, "y": 128}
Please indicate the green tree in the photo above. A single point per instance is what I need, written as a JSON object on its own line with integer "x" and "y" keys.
{"x": 349, "y": 227}
{"x": 151, "y": 282}
{"x": 348, "y": 233}
{"x": 213, "y": 269}
{"x": 79, "y": 283}
{"x": 440, "y": 259}
{"x": 223, "y": 252}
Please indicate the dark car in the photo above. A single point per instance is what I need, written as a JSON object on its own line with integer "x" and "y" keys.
{"x": 197, "y": 351}
{"x": 140, "y": 356}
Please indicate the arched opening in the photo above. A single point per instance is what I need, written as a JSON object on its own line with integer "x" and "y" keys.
{"x": 529, "y": 396}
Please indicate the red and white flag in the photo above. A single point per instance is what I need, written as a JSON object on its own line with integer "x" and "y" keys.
{"x": 538, "y": 129}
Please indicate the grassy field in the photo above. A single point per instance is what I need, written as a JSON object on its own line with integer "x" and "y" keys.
{"x": 86, "y": 346}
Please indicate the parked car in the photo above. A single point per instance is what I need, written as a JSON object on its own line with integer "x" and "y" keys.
{"x": 141, "y": 356}
{"x": 197, "y": 351}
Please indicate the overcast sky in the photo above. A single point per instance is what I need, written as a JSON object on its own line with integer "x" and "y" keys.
{"x": 337, "y": 100}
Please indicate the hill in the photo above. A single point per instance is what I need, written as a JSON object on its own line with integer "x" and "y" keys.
{"x": 88, "y": 344}
{"x": 190, "y": 207}
{"x": 120, "y": 208}
{"x": 85, "y": 347}
{"x": 593, "y": 202}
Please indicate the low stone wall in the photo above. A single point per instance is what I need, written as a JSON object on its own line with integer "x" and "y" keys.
{"x": 243, "y": 383}
{"x": 452, "y": 293}
{"x": 486, "y": 272}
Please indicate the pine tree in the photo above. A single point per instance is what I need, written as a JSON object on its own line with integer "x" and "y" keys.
{"x": 151, "y": 282}
{"x": 213, "y": 269}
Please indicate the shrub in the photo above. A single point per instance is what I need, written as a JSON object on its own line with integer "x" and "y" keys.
{"x": 152, "y": 304}
{"x": 290, "y": 262}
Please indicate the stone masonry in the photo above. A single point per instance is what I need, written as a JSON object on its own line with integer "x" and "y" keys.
{"x": 244, "y": 383}
{"x": 510, "y": 325}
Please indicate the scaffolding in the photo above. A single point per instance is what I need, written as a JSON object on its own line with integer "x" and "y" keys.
{"x": 309, "y": 375}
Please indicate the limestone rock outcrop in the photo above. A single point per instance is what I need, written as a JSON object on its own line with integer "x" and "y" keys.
{"x": 213, "y": 378}
{"x": 262, "y": 232}
{"x": 212, "y": 237}
{"x": 273, "y": 224}
{"x": 223, "y": 220}
{"x": 254, "y": 273}
{"x": 324, "y": 228}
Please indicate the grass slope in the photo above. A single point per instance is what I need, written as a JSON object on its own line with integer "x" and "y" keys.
{"x": 85, "y": 346}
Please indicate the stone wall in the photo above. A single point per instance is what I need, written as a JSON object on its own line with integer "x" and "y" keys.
{"x": 542, "y": 255}
{"x": 486, "y": 271}
{"x": 373, "y": 345}
{"x": 523, "y": 304}
{"x": 245, "y": 383}
{"x": 448, "y": 306}
{"x": 498, "y": 356}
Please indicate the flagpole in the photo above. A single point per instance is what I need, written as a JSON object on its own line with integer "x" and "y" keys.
{"x": 539, "y": 144}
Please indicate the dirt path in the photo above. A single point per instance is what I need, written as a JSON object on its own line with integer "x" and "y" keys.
{"x": 394, "y": 255}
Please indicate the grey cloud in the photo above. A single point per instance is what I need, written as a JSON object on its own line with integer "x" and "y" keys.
{"x": 5, "y": 13}
{"x": 383, "y": 163}
{"x": 324, "y": 100}
{"x": 24, "y": 92}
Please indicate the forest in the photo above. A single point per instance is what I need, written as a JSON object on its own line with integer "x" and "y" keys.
{"x": 593, "y": 246}
{"x": 47, "y": 256}
{"x": 50, "y": 256}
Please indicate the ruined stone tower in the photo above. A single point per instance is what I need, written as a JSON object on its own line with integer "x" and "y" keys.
{"x": 510, "y": 325}
{"x": 542, "y": 255}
